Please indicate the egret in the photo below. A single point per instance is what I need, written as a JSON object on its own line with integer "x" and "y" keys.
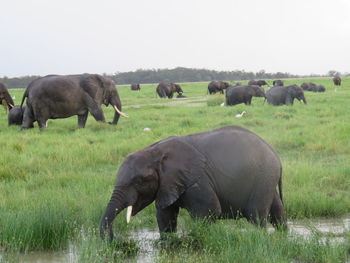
{"x": 240, "y": 115}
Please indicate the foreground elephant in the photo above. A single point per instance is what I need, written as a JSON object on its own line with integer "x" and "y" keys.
{"x": 337, "y": 80}
{"x": 257, "y": 82}
{"x": 165, "y": 89}
{"x": 223, "y": 173}
{"x": 217, "y": 86}
{"x": 243, "y": 94}
{"x": 5, "y": 98}
{"x": 15, "y": 115}
{"x": 55, "y": 96}
{"x": 285, "y": 95}
{"x": 135, "y": 87}
{"x": 277, "y": 82}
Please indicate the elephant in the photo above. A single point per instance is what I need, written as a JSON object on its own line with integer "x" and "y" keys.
{"x": 285, "y": 95}
{"x": 243, "y": 94}
{"x": 337, "y": 80}
{"x": 319, "y": 88}
{"x": 257, "y": 82}
{"x": 5, "y": 98}
{"x": 217, "y": 86}
{"x": 225, "y": 173}
{"x": 62, "y": 96}
{"x": 309, "y": 86}
{"x": 135, "y": 87}
{"x": 165, "y": 89}
{"x": 15, "y": 115}
{"x": 277, "y": 82}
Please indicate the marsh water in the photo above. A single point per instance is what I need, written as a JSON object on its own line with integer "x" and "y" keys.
{"x": 335, "y": 228}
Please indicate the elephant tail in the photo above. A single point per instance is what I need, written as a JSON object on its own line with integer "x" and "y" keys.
{"x": 280, "y": 187}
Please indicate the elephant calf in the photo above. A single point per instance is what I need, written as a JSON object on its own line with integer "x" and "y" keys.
{"x": 15, "y": 115}
{"x": 243, "y": 94}
{"x": 223, "y": 173}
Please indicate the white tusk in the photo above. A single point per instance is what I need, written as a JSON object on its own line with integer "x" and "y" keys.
{"x": 128, "y": 214}
{"x": 11, "y": 105}
{"x": 121, "y": 113}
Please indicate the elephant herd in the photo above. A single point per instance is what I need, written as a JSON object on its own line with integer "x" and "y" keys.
{"x": 224, "y": 173}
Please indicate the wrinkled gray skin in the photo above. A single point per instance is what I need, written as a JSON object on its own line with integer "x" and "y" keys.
{"x": 309, "y": 86}
{"x": 15, "y": 115}
{"x": 337, "y": 80}
{"x": 243, "y": 94}
{"x": 217, "y": 86}
{"x": 285, "y": 95}
{"x": 277, "y": 82}
{"x": 257, "y": 82}
{"x": 135, "y": 87}
{"x": 223, "y": 173}
{"x": 56, "y": 96}
{"x": 168, "y": 89}
{"x": 5, "y": 98}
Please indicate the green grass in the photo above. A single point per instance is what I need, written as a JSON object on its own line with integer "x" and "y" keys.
{"x": 57, "y": 182}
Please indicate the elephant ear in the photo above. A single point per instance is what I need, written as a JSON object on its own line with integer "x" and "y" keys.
{"x": 181, "y": 166}
{"x": 290, "y": 96}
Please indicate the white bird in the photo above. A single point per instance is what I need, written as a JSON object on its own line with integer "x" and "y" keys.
{"x": 240, "y": 115}
{"x": 222, "y": 104}
{"x": 146, "y": 129}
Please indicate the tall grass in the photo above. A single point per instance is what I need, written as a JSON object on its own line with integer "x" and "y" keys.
{"x": 57, "y": 182}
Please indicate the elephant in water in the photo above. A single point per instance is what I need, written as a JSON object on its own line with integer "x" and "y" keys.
{"x": 223, "y": 173}
{"x": 55, "y": 96}
{"x": 168, "y": 89}
{"x": 243, "y": 94}
{"x": 5, "y": 98}
{"x": 217, "y": 86}
{"x": 285, "y": 95}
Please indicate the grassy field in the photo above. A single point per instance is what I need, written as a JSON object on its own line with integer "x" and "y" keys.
{"x": 55, "y": 185}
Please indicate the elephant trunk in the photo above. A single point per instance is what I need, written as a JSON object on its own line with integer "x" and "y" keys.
{"x": 118, "y": 111}
{"x": 114, "y": 207}
{"x": 304, "y": 100}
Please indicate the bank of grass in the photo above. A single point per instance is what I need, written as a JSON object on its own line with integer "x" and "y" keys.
{"x": 55, "y": 183}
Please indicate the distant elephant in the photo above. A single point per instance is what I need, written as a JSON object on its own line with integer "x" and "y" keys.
{"x": 135, "y": 87}
{"x": 5, "y": 98}
{"x": 337, "y": 80}
{"x": 223, "y": 173}
{"x": 217, "y": 86}
{"x": 56, "y": 96}
{"x": 15, "y": 115}
{"x": 319, "y": 88}
{"x": 165, "y": 89}
{"x": 277, "y": 82}
{"x": 285, "y": 95}
{"x": 308, "y": 86}
{"x": 257, "y": 82}
{"x": 243, "y": 94}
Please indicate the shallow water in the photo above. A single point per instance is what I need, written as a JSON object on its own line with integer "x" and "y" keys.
{"x": 145, "y": 238}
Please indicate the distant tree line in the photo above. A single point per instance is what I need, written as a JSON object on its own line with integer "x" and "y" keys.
{"x": 179, "y": 74}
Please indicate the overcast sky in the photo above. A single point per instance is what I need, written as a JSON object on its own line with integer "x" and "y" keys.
{"x": 39, "y": 37}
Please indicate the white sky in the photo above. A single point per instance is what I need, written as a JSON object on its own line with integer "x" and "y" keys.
{"x": 39, "y": 37}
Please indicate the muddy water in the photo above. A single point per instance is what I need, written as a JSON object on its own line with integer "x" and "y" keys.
{"x": 335, "y": 228}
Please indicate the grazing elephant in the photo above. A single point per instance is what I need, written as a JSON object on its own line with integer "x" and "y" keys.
{"x": 55, "y": 96}
{"x": 135, "y": 87}
{"x": 277, "y": 82}
{"x": 243, "y": 94}
{"x": 15, "y": 115}
{"x": 308, "y": 86}
{"x": 285, "y": 95}
{"x": 337, "y": 80}
{"x": 223, "y": 173}
{"x": 257, "y": 82}
{"x": 167, "y": 89}
{"x": 319, "y": 88}
{"x": 217, "y": 86}
{"x": 5, "y": 98}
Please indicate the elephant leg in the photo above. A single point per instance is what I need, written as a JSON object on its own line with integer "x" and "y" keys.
{"x": 28, "y": 119}
{"x": 82, "y": 119}
{"x": 277, "y": 215}
{"x": 258, "y": 207}
{"x": 167, "y": 218}
{"x": 201, "y": 201}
